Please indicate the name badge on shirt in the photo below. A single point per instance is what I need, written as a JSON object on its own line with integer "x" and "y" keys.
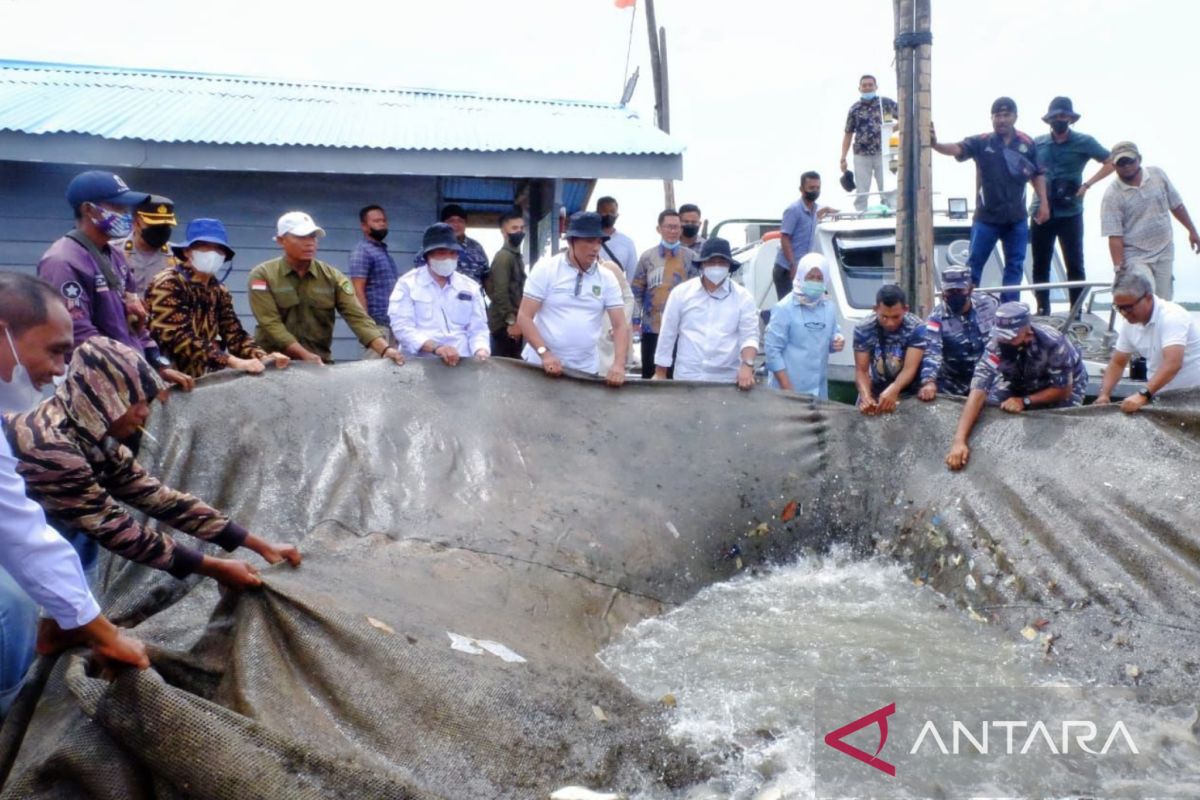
{"x": 464, "y": 295}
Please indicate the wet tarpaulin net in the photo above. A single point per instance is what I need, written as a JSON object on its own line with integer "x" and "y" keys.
{"x": 472, "y": 537}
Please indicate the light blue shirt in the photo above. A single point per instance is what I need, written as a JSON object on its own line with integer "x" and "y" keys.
{"x": 798, "y": 341}
{"x": 799, "y": 223}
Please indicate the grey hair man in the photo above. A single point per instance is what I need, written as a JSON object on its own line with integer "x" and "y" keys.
{"x": 1162, "y": 332}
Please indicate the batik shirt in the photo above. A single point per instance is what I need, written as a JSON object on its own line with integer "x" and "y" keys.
{"x": 886, "y": 349}
{"x": 658, "y": 272}
{"x": 954, "y": 344}
{"x": 1049, "y": 361}
{"x": 194, "y": 323}
{"x": 865, "y": 121}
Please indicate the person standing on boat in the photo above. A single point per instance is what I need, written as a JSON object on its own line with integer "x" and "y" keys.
{"x": 888, "y": 349}
{"x": 956, "y": 334}
{"x": 803, "y": 331}
{"x": 864, "y": 124}
{"x": 1025, "y": 366}
{"x": 1006, "y": 159}
{"x": 797, "y": 232}
{"x": 1064, "y": 153}
{"x": 1136, "y": 214}
{"x": 710, "y": 325}
{"x": 1162, "y": 332}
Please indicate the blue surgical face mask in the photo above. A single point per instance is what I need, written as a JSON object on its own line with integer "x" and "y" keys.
{"x": 18, "y": 395}
{"x": 868, "y": 96}
{"x": 673, "y": 247}
{"x": 813, "y": 290}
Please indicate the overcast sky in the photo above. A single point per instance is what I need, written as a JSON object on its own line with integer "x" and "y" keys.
{"x": 759, "y": 88}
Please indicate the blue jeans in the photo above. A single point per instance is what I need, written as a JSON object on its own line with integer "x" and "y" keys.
{"x": 1013, "y": 238}
{"x": 19, "y": 622}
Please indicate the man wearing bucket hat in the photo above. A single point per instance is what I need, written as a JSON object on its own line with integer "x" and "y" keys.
{"x": 955, "y": 335}
{"x": 1136, "y": 214}
{"x": 472, "y": 259}
{"x": 295, "y": 298}
{"x": 437, "y": 310}
{"x": 191, "y": 311}
{"x": 710, "y": 325}
{"x": 1064, "y": 153}
{"x": 1025, "y": 366}
{"x": 146, "y": 250}
{"x": 565, "y": 299}
{"x": 1006, "y": 159}
{"x": 91, "y": 275}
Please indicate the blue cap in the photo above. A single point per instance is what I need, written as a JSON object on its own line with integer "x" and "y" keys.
{"x": 956, "y": 277}
{"x": 97, "y": 186}
{"x": 204, "y": 230}
{"x": 586, "y": 225}
{"x": 440, "y": 236}
{"x": 1011, "y": 319}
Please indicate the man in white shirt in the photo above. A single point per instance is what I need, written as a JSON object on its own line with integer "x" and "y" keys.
{"x": 619, "y": 247}
{"x": 36, "y": 336}
{"x": 711, "y": 325}
{"x": 1162, "y": 332}
{"x": 434, "y": 309}
{"x": 566, "y": 297}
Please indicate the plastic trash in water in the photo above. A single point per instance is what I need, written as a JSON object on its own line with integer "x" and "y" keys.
{"x": 475, "y": 647}
{"x": 580, "y": 793}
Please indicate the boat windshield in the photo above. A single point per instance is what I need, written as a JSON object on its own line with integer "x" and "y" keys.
{"x": 868, "y": 260}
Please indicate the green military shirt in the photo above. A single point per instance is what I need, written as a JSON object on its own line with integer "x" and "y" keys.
{"x": 1064, "y": 163}
{"x": 504, "y": 285}
{"x": 290, "y": 308}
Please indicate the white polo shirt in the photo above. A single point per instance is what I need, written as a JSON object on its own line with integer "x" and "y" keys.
{"x": 1170, "y": 324}
{"x": 421, "y": 311}
{"x": 573, "y": 305}
{"x": 707, "y": 331}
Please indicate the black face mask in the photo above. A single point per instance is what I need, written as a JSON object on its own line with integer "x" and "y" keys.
{"x": 1059, "y": 126}
{"x": 957, "y": 303}
{"x": 156, "y": 235}
{"x": 608, "y": 220}
{"x": 1011, "y": 350}
{"x": 515, "y": 239}
{"x": 690, "y": 231}
{"x": 812, "y": 196}
{"x": 378, "y": 234}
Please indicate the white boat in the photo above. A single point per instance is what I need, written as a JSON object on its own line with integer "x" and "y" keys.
{"x": 861, "y": 251}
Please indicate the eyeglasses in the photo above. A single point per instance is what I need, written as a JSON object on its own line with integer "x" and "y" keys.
{"x": 1125, "y": 308}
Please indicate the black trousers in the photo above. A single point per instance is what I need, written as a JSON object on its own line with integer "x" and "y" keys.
{"x": 783, "y": 281}
{"x": 505, "y": 346}
{"x": 1069, "y": 233}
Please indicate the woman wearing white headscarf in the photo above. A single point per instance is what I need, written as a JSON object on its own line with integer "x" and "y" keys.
{"x": 803, "y": 331}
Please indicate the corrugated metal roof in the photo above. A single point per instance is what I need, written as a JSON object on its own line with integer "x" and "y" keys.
{"x": 162, "y": 106}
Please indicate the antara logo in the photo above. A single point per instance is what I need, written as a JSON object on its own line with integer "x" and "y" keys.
{"x": 835, "y": 739}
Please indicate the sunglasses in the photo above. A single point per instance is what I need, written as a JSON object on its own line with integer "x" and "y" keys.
{"x": 1125, "y": 308}
{"x": 1125, "y": 162}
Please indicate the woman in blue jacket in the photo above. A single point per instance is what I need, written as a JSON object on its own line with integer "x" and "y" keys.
{"x": 803, "y": 331}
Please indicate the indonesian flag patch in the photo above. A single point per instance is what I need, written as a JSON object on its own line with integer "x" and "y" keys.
{"x": 258, "y": 286}
{"x": 933, "y": 325}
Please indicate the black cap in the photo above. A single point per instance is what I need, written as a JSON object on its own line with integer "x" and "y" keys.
{"x": 439, "y": 236}
{"x": 716, "y": 247}
{"x": 452, "y": 210}
{"x": 1060, "y": 105}
{"x": 586, "y": 225}
{"x": 1004, "y": 104}
{"x": 847, "y": 181}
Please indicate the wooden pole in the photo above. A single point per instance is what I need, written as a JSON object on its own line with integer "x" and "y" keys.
{"x": 905, "y": 210}
{"x": 914, "y": 222}
{"x": 664, "y": 116}
{"x": 926, "y": 261}
{"x": 658, "y": 71}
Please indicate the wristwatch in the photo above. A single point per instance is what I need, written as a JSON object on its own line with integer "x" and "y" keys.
{"x": 1028, "y": 403}
{"x": 1146, "y": 393}
{"x": 541, "y": 351}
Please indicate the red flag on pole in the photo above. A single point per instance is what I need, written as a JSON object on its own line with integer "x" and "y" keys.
{"x": 625, "y": 3}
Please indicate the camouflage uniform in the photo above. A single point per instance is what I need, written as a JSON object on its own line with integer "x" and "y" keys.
{"x": 954, "y": 344}
{"x": 77, "y": 472}
{"x": 888, "y": 349}
{"x": 1049, "y": 361}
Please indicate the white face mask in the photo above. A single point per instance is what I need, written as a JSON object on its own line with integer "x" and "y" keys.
{"x": 716, "y": 275}
{"x": 443, "y": 267}
{"x": 19, "y": 394}
{"x": 208, "y": 261}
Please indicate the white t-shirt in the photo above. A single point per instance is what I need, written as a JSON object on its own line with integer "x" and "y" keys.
{"x": 1170, "y": 324}
{"x": 573, "y": 305}
{"x": 709, "y": 329}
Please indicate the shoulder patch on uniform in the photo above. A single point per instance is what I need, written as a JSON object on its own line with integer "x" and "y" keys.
{"x": 258, "y": 285}
{"x": 346, "y": 287}
{"x": 933, "y": 325}
{"x": 994, "y": 359}
{"x": 72, "y": 291}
